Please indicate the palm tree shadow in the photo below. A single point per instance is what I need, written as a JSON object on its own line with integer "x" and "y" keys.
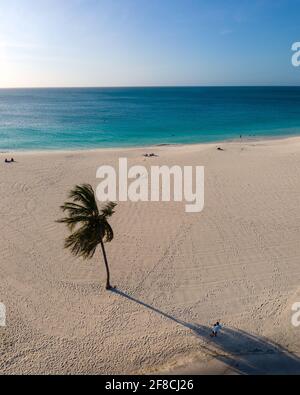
{"x": 240, "y": 351}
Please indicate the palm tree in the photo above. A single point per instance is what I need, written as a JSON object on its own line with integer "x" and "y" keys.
{"x": 88, "y": 225}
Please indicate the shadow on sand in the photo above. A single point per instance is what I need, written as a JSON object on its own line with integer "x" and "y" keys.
{"x": 239, "y": 351}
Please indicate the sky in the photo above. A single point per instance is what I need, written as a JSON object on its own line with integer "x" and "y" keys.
{"x": 65, "y": 43}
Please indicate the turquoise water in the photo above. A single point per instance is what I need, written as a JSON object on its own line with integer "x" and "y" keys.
{"x": 112, "y": 117}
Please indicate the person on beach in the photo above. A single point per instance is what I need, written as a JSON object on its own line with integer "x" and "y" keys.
{"x": 216, "y": 329}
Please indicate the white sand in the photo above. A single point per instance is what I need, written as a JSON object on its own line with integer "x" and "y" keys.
{"x": 238, "y": 262}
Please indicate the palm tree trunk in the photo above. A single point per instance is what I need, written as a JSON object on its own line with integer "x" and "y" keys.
{"x": 108, "y": 286}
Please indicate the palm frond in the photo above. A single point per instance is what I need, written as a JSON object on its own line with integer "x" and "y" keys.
{"x": 108, "y": 209}
{"x": 108, "y": 233}
{"x": 85, "y": 195}
{"x": 75, "y": 209}
{"x": 73, "y": 220}
{"x": 83, "y": 242}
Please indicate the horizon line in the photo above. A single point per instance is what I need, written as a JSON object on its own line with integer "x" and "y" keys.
{"x": 153, "y": 86}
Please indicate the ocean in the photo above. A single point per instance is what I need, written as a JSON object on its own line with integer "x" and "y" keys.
{"x": 83, "y": 118}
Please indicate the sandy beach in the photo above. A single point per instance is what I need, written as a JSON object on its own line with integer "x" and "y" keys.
{"x": 176, "y": 273}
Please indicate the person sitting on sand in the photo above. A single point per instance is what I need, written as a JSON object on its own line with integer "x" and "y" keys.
{"x": 149, "y": 155}
{"x": 12, "y": 160}
{"x": 217, "y": 327}
{"x": 7, "y": 161}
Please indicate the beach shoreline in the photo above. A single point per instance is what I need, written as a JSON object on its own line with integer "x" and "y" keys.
{"x": 177, "y": 273}
{"x": 121, "y": 149}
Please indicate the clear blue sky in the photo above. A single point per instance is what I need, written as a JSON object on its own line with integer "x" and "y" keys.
{"x": 147, "y": 42}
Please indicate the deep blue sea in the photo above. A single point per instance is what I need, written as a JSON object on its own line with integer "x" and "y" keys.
{"x": 34, "y": 119}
